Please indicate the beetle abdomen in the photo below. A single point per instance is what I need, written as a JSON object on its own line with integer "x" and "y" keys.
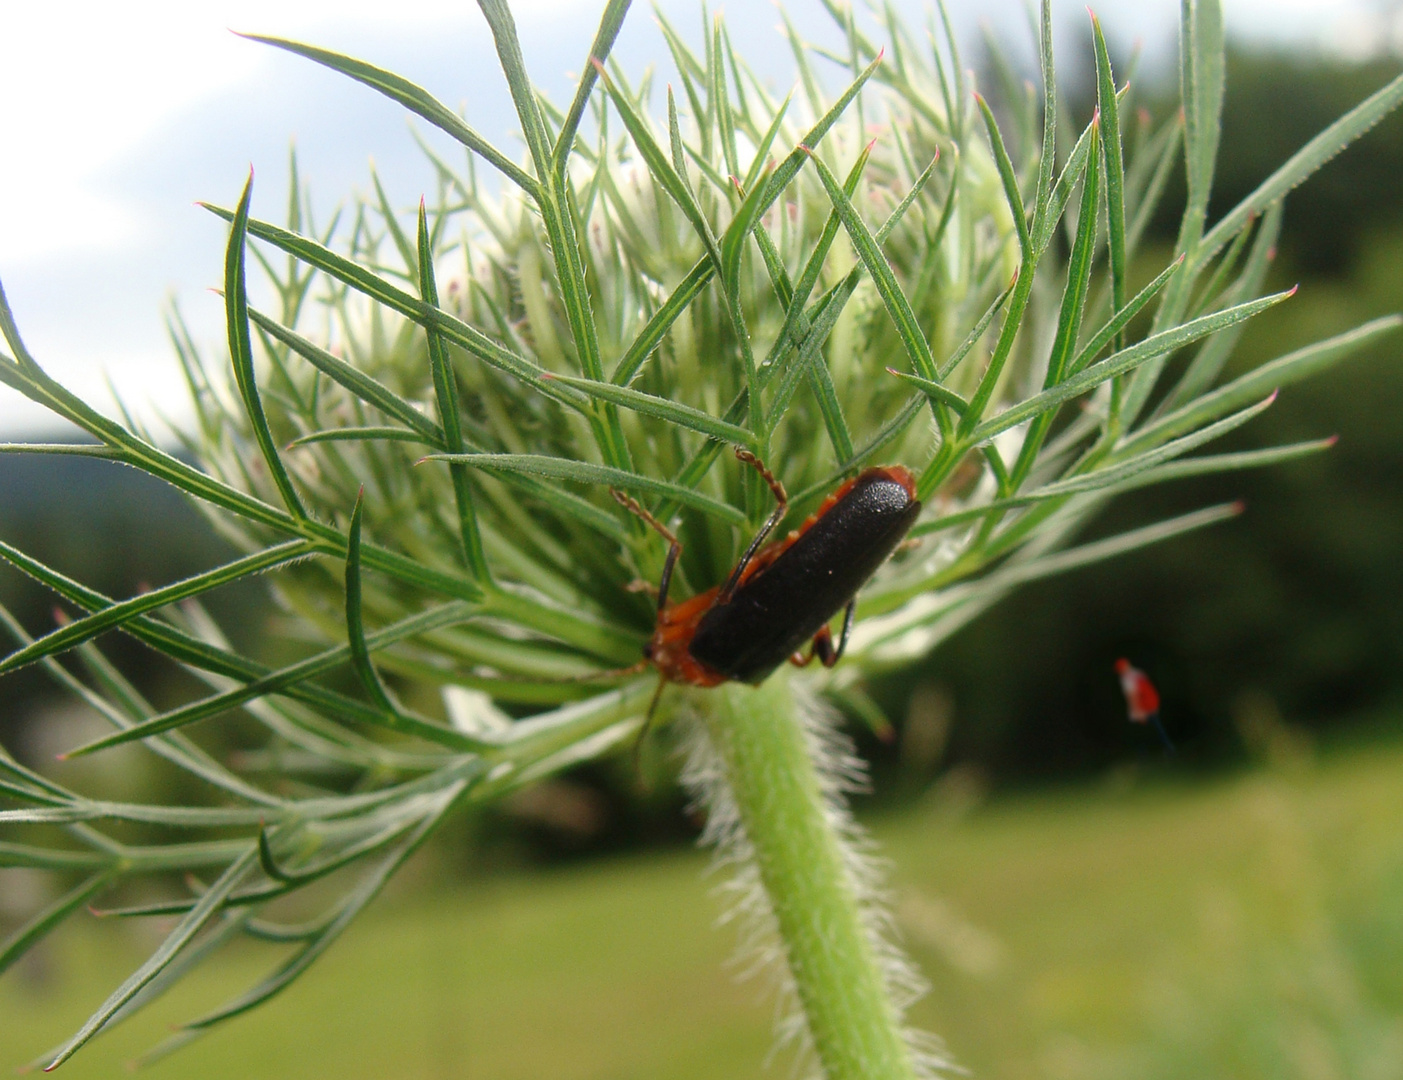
{"x": 778, "y": 609}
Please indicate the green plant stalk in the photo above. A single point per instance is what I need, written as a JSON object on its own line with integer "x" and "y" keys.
{"x": 854, "y": 1024}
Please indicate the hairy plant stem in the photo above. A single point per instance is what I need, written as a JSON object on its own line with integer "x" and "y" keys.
{"x": 854, "y": 1024}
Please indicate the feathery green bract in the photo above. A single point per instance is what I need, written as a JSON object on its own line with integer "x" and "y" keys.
{"x": 627, "y": 308}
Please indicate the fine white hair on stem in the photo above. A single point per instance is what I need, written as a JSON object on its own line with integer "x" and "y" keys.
{"x": 761, "y": 950}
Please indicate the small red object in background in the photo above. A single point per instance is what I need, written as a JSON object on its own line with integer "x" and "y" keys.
{"x": 1141, "y": 698}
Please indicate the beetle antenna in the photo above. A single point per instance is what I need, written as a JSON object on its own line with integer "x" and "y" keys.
{"x": 781, "y": 508}
{"x": 596, "y": 676}
{"x": 647, "y": 726}
{"x": 781, "y": 496}
{"x": 674, "y": 549}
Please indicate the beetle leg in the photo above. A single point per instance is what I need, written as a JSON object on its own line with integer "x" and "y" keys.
{"x": 822, "y": 646}
{"x": 843, "y": 637}
{"x": 781, "y": 508}
{"x": 674, "y": 548}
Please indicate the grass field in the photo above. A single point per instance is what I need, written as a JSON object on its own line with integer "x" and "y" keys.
{"x": 1249, "y": 926}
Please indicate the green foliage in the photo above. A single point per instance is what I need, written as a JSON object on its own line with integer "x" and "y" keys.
{"x": 415, "y": 447}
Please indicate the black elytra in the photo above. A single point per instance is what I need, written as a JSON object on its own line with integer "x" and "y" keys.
{"x": 796, "y": 585}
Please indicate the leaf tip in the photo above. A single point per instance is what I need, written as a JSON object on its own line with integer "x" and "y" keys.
{"x": 1331, "y": 441}
{"x": 1236, "y": 507}
{"x": 1291, "y": 291}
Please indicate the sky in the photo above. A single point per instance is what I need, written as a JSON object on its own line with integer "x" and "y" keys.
{"x": 115, "y": 119}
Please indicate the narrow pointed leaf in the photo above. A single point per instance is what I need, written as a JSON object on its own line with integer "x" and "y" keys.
{"x": 1047, "y": 159}
{"x": 1125, "y": 360}
{"x": 701, "y": 273}
{"x": 287, "y": 680}
{"x": 584, "y": 472}
{"x": 208, "y": 905}
{"x": 1122, "y": 467}
{"x": 1303, "y": 164}
{"x": 49, "y": 858}
{"x": 1280, "y": 372}
{"x": 975, "y": 335}
{"x": 446, "y": 396}
{"x": 1007, "y": 175}
{"x": 187, "y": 649}
{"x": 746, "y": 217}
{"x": 674, "y": 412}
{"x": 73, "y": 449}
{"x": 1213, "y": 354}
{"x": 661, "y": 168}
{"x": 362, "y": 280}
{"x": 28, "y": 935}
{"x": 1115, "y": 169}
{"x": 610, "y": 23}
{"x": 414, "y": 98}
{"x": 1209, "y": 464}
{"x": 1071, "y": 173}
{"x": 933, "y": 390}
{"x": 363, "y": 386}
{"x": 364, "y": 434}
{"x": 85, "y": 629}
{"x": 883, "y": 277}
{"x": 1121, "y": 319}
{"x": 652, "y": 334}
{"x": 355, "y": 628}
{"x": 1201, "y": 60}
{"x": 513, "y": 64}
{"x": 241, "y": 353}
{"x": 352, "y": 906}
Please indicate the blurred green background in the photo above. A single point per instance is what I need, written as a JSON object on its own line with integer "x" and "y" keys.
{"x": 1083, "y": 907}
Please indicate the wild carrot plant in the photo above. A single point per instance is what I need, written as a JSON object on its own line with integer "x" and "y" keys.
{"x": 414, "y": 445}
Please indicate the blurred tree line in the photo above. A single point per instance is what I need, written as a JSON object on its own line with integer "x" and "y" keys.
{"x": 1294, "y": 609}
